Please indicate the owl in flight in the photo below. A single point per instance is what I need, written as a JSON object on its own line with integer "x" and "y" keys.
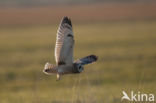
{"x": 64, "y": 53}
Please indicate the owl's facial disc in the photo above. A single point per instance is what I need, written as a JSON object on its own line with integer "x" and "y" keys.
{"x": 80, "y": 68}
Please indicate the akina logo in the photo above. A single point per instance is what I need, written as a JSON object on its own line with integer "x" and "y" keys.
{"x": 137, "y": 96}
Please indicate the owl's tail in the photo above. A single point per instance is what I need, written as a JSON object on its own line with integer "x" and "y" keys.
{"x": 50, "y": 68}
{"x": 87, "y": 60}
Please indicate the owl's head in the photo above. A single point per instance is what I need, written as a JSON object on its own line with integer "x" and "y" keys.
{"x": 78, "y": 68}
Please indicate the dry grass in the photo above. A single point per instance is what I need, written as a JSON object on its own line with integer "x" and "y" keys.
{"x": 126, "y": 51}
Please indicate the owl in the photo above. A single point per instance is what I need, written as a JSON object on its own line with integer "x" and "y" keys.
{"x": 64, "y": 53}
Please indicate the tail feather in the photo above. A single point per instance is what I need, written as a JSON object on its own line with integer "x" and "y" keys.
{"x": 87, "y": 60}
{"x": 50, "y": 68}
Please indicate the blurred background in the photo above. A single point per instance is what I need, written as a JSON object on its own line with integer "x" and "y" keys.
{"x": 121, "y": 32}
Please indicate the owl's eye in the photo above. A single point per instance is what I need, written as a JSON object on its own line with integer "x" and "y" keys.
{"x": 80, "y": 68}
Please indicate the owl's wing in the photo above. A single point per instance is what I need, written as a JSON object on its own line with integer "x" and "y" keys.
{"x": 87, "y": 60}
{"x": 64, "y": 43}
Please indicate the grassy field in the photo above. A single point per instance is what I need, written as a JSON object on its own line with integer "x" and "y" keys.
{"x": 127, "y": 61}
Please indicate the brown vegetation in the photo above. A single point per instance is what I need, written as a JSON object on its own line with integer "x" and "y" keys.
{"x": 79, "y": 13}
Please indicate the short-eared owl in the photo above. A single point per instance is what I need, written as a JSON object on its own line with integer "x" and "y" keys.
{"x": 64, "y": 53}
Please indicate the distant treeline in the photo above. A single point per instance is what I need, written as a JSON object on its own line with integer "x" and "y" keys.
{"x": 8, "y": 3}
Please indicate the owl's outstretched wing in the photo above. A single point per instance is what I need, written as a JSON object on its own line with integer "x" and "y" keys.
{"x": 87, "y": 60}
{"x": 64, "y": 43}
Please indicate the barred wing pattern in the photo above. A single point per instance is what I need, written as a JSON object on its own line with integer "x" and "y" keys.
{"x": 64, "y": 43}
